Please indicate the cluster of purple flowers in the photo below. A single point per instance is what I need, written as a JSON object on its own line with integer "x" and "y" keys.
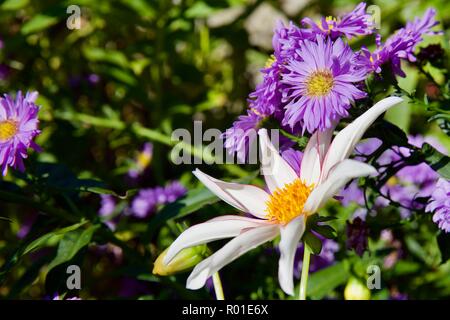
{"x": 407, "y": 187}
{"x": 313, "y": 77}
{"x": 149, "y": 199}
{"x": 143, "y": 205}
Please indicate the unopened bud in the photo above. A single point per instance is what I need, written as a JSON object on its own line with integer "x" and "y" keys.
{"x": 184, "y": 260}
{"x": 356, "y": 290}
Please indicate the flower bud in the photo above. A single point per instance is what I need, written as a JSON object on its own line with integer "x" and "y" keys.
{"x": 184, "y": 260}
{"x": 356, "y": 290}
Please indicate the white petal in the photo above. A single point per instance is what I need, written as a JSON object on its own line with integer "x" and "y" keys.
{"x": 345, "y": 141}
{"x": 314, "y": 155}
{"x": 244, "y": 197}
{"x": 231, "y": 251}
{"x": 215, "y": 229}
{"x": 277, "y": 172}
{"x": 338, "y": 177}
{"x": 290, "y": 236}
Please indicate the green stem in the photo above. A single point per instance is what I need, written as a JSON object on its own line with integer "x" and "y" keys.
{"x": 305, "y": 273}
{"x": 218, "y": 287}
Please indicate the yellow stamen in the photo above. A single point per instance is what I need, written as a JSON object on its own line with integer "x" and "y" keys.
{"x": 319, "y": 83}
{"x": 8, "y": 129}
{"x": 144, "y": 159}
{"x": 392, "y": 181}
{"x": 270, "y": 61}
{"x": 287, "y": 203}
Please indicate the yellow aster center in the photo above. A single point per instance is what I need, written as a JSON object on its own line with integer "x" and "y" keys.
{"x": 392, "y": 181}
{"x": 270, "y": 61}
{"x": 319, "y": 83}
{"x": 8, "y": 129}
{"x": 287, "y": 203}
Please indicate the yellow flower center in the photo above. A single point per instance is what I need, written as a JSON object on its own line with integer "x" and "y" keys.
{"x": 287, "y": 203}
{"x": 392, "y": 181}
{"x": 319, "y": 83}
{"x": 270, "y": 61}
{"x": 143, "y": 160}
{"x": 8, "y": 129}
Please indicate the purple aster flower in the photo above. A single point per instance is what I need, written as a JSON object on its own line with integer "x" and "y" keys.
{"x": 440, "y": 204}
{"x": 149, "y": 199}
{"x": 399, "y": 46}
{"x": 356, "y": 23}
{"x": 293, "y": 158}
{"x": 18, "y": 127}
{"x": 319, "y": 88}
{"x": 242, "y": 135}
{"x": 56, "y": 296}
{"x": 143, "y": 160}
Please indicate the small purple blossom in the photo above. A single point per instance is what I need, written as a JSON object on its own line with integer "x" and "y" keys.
{"x": 149, "y": 199}
{"x": 440, "y": 204}
{"x": 107, "y": 207}
{"x": 320, "y": 87}
{"x": 18, "y": 127}
{"x": 242, "y": 135}
{"x": 399, "y": 46}
{"x": 355, "y": 23}
{"x": 143, "y": 160}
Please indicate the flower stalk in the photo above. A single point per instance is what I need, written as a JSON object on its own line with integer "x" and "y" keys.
{"x": 305, "y": 273}
{"x": 218, "y": 287}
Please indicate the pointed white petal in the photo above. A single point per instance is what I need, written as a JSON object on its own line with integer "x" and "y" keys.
{"x": 342, "y": 173}
{"x": 290, "y": 236}
{"x": 215, "y": 229}
{"x": 244, "y": 197}
{"x": 314, "y": 155}
{"x": 277, "y": 172}
{"x": 345, "y": 141}
{"x": 231, "y": 251}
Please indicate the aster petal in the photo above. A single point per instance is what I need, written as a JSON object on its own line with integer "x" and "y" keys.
{"x": 212, "y": 230}
{"x": 345, "y": 141}
{"x": 277, "y": 172}
{"x": 246, "y": 198}
{"x": 229, "y": 252}
{"x": 290, "y": 236}
{"x": 314, "y": 155}
{"x": 342, "y": 173}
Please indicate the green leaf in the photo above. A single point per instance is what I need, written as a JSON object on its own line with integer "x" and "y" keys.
{"x": 71, "y": 243}
{"x": 38, "y": 23}
{"x": 322, "y": 282}
{"x": 313, "y": 242}
{"x": 14, "y": 4}
{"x": 51, "y": 237}
{"x": 436, "y": 160}
{"x": 194, "y": 200}
{"x": 110, "y": 56}
{"x": 199, "y": 10}
{"x": 326, "y": 231}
